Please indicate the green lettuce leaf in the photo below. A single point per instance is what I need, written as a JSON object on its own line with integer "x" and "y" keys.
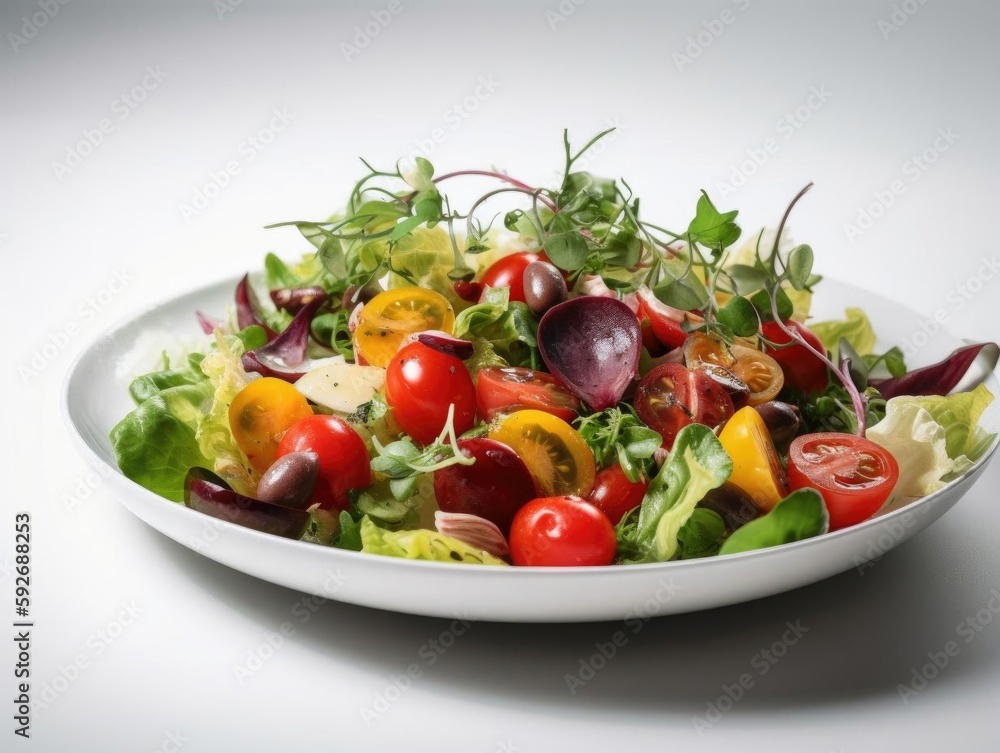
{"x": 421, "y": 544}
{"x": 697, "y": 464}
{"x": 155, "y": 444}
{"x": 933, "y": 439}
{"x": 800, "y": 515}
{"x": 510, "y": 327}
{"x": 856, "y": 329}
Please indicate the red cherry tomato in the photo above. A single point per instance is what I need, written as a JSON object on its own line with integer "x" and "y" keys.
{"x": 516, "y": 388}
{"x": 561, "y": 532}
{"x": 509, "y": 272}
{"x": 420, "y": 385}
{"x": 672, "y": 396}
{"x": 854, "y": 475}
{"x": 614, "y": 495}
{"x": 665, "y": 321}
{"x": 802, "y": 369}
{"x": 494, "y": 487}
{"x": 343, "y": 457}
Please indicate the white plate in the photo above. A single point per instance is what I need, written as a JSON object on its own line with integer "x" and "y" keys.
{"x": 96, "y": 397}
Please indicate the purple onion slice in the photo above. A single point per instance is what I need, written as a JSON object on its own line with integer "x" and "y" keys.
{"x": 285, "y": 356}
{"x": 209, "y": 494}
{"x": 592, "y": 344}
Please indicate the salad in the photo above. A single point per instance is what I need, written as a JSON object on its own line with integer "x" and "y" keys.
{"x": 545, "y": 378}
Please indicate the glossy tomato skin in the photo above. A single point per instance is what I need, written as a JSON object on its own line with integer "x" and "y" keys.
{"x": 504, "y": 390}
{"x": 671, "y": 396}
{"x": 259, "y": 416}
{"x": 665, "y": 321}
{"x": 561, "y": 532}
{"x": 854, "y": 475}
{"x": 509, "y": 272}
{"x": 495, "y": 487}
{"x": 614, "y": 495}
{"x": 421, "y": 383}
{"x": 802, "y": 370}
{"x": 343, "y": 457}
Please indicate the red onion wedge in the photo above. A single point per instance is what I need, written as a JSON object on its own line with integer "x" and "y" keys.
{"x": 473, "y": 530}
{"x": 209, "y": 494}
{"x": 592, "y": 344}
{"x": 285, "y": 356}
{"x": 247, "y": 308}
{"x": 445, "y": 343}
{"x": 965, "y": 368}
{"x": 294, "y": 300}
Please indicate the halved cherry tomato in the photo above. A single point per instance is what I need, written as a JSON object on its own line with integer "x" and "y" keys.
{"x": 259, "y": 416}
{"x": 392, "y": 315}
{"x": 614, "y": 495}
{"x": 703, "y": 348}
{"x": 509, "y": 272}
{"x": 494, "y": 487}
{"x": 421, "y": 383}
{"x": 756, "y": 468}
{"x": 515, "y": 388}
{"x": 759, "y": 372}
{"x": 343, "y": 457}
{"x": 563, "y": 531}
{"x": 671, "y": 396}
{"x": 559, "y": 461}
{"x": 802, "y": 369}
{"x": 854, "y": 475}
{"x": 665, "y": 321}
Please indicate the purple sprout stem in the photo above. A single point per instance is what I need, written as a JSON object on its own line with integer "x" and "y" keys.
{"x": 499, "y": 176}
{"x": 856, "y": 399}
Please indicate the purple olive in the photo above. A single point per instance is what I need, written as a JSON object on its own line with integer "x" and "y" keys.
{"x": 544, "y": 286}
{"x": 290, "y": 479}
{"x": 782, "y": 421}
{"x": 208, "y": 494}
{"x": 592, "y": 344}
{"x": 293, "y": 300}
{"x": 734, "y": 506}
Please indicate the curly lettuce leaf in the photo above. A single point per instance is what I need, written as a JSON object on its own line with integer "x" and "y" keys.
{"x": 421, "y": 544}
{"x": 800, "y": 515}
{"x": 933, "y": 438}
{"x": 697, "y": 464}
{"x": 855, "y": 328}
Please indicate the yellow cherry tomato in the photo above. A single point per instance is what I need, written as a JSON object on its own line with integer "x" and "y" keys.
{"x": 392, "y": 315}
{"x": 756, "y": 468}
{"x": 259, "y": 416}
{"x": 759, "y": 372}
{"x": 702, "y": 348}
{"x": 555, "y": 454}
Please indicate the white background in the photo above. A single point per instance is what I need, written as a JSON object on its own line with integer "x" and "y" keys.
{"x": 683, "y": 125}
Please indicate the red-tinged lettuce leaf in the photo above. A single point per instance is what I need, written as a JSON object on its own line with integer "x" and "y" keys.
{"x": 247, "y": 308}
{"x": 285, "y": 356}
{"x": 942, "y": 377}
